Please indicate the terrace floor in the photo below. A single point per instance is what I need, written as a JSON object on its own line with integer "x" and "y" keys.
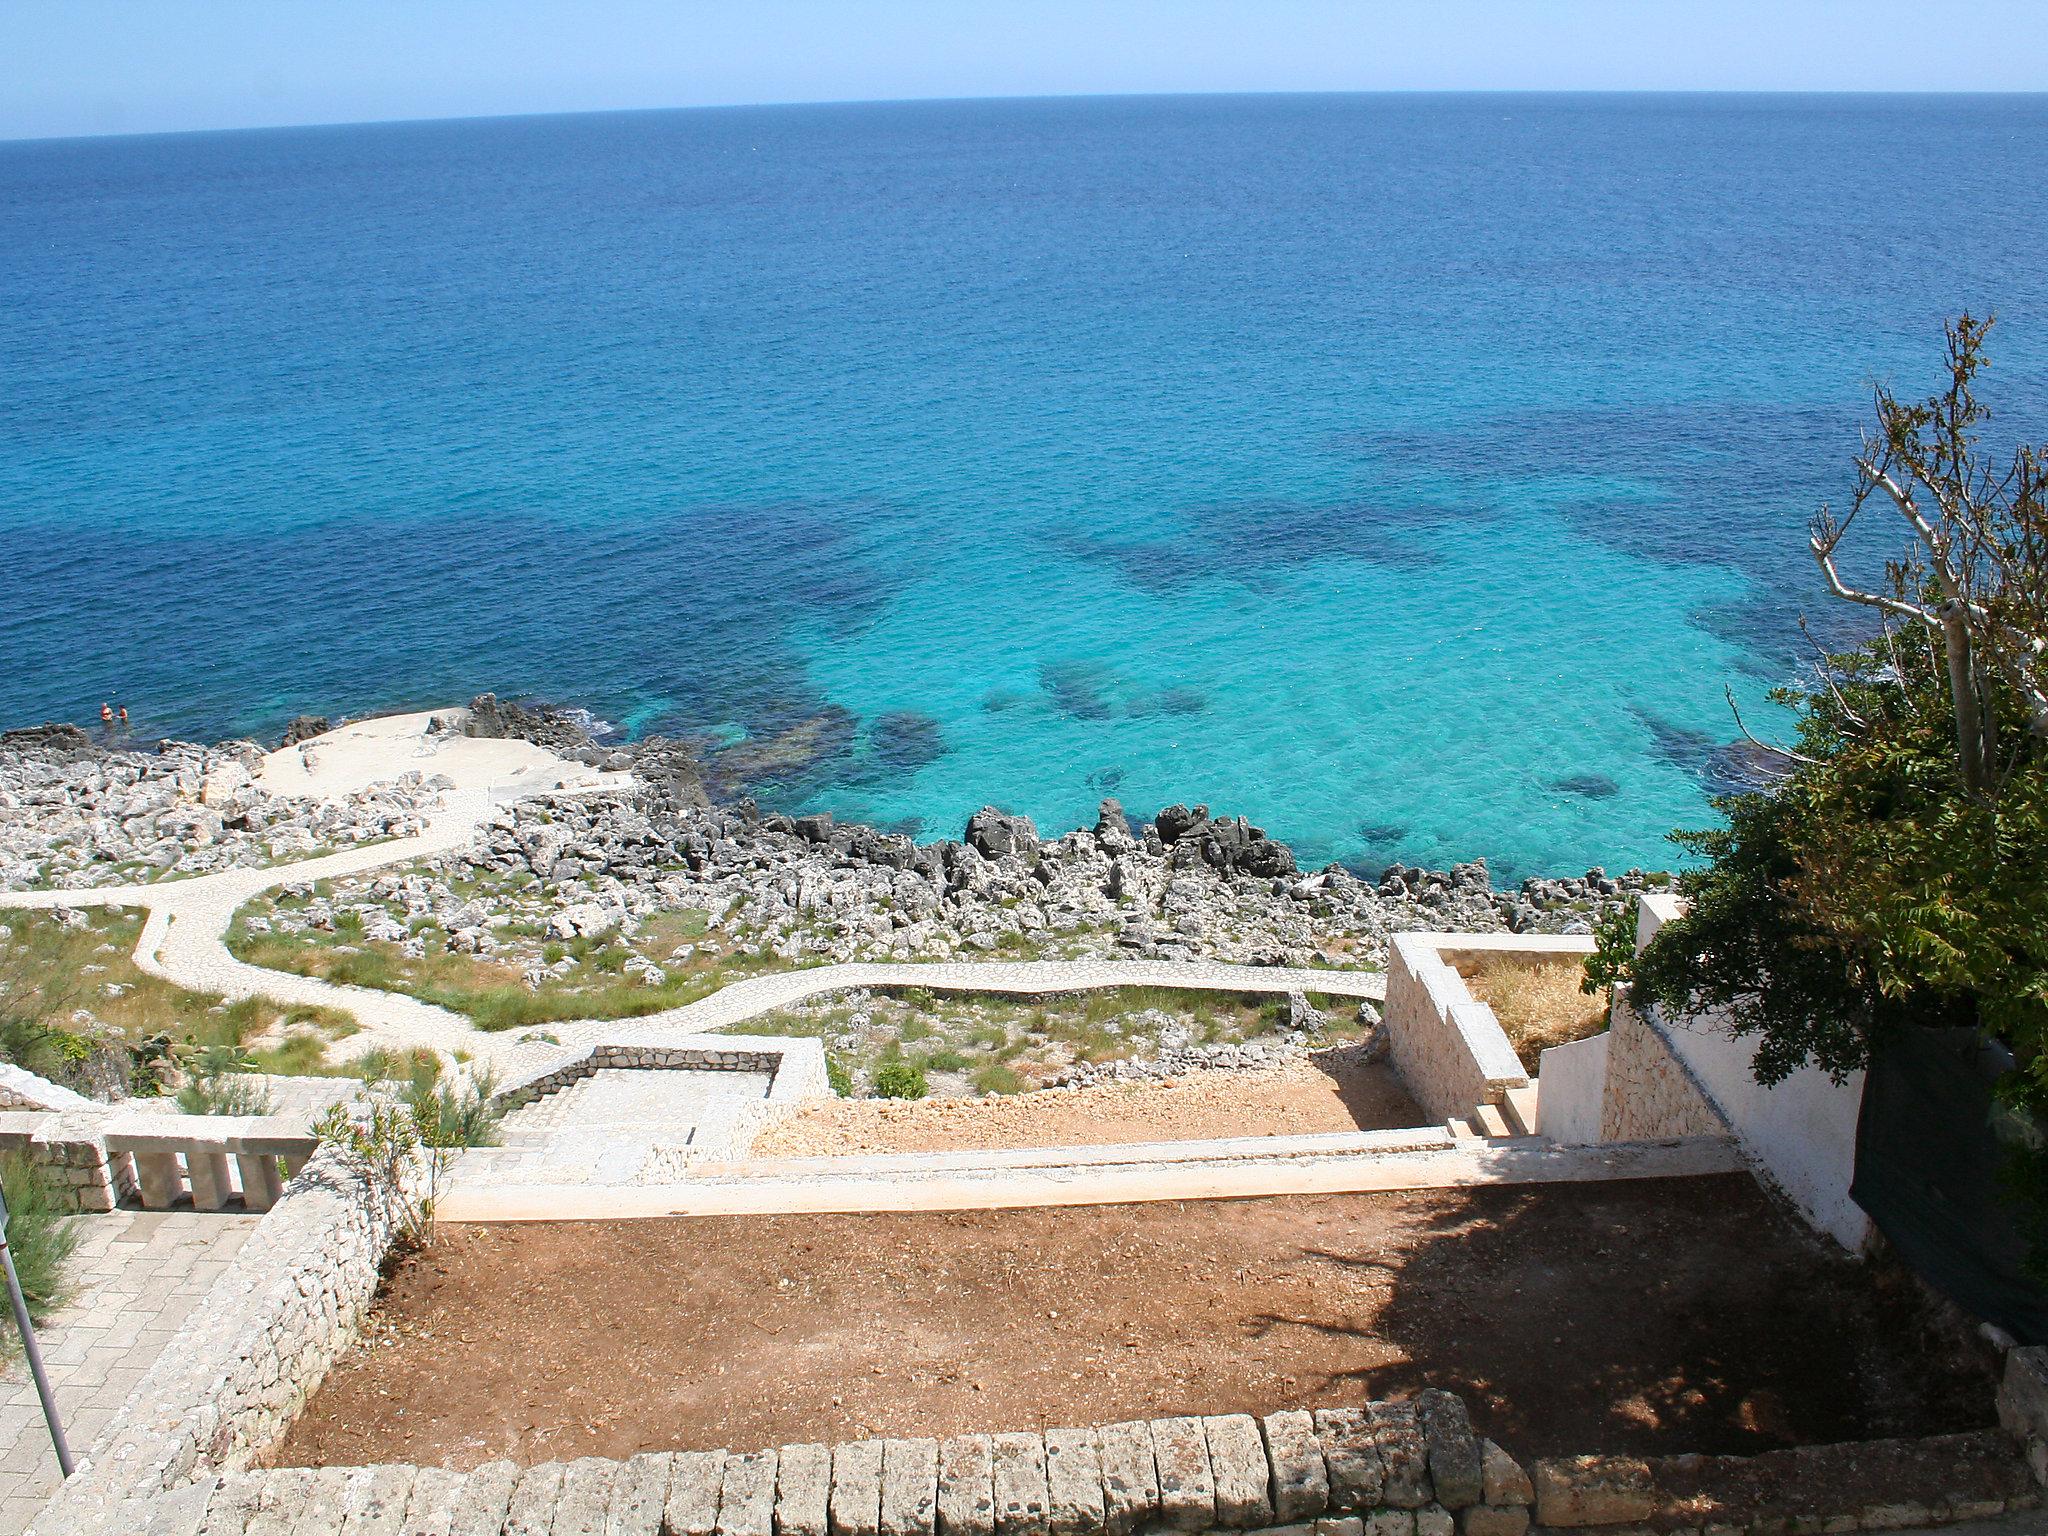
{"x": 136, "y": 1276}
{"x": 1650, "y": 1316}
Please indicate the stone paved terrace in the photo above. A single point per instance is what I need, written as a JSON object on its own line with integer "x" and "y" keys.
{"x": 136, "y": 1276}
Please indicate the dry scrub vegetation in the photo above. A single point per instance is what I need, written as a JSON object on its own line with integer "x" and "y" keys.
{"x": 1538, "y": 1005}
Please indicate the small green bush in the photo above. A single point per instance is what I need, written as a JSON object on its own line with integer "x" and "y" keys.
{"x": 41, "y": 1234}
{"x": 838, "y": 1077}
{"x": 901, "y": 1080}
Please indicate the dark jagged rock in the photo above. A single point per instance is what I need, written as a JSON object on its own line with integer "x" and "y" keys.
{"x": 305, "y": 728}
{"x": 1177, "y": 821}
{"x": 670, "y": 770}
{"x": 994, "y": 834}
{"x": 1110, "y": 821}
{"x": 555, "y": 729}
{"x": 59, "y": 740}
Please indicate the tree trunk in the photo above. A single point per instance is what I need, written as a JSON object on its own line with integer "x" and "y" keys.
{"x": 1963, "y": 692}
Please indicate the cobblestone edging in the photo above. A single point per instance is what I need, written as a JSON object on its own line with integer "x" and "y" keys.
{"x": 1383, "y": 1469}
{"x": 241, "y": 1367}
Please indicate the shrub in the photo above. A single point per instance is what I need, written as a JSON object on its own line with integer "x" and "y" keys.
{"x": 901, "y": 1080}
{"x": 838, "y": 1077}
{"x": 41, "y": 1234}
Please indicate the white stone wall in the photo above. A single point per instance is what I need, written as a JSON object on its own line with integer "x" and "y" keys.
{"x": 1648, "y": 1095}
{"x": 1572, "y": 1082}
{"x": 1799, "y": 1135}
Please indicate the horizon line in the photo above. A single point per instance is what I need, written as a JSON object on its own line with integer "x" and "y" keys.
{"x": 1032, "y": 96}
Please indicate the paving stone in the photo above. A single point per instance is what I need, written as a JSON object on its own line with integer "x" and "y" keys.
{"x": 279, "y": 1501}
{"x": 1351, "y": 1456}
{"x": 232, "y": 1502}
{"x": 1187, "y": 1492}
{"x": 746, "y": 1499}
{"x": 1434, "y": 1520}
{"x": 376, "y": 1500}
{"x": 1237, "y": 1465}
{"x": 693, "y": 1485}
{"x": 857, "y": 1488}
{"x": 586, "y": 1496}
{"x": 430, "y": 1502}
{"x": 1454, "y": 1459}
{"x": 1301, "y": 1483}
{"x": 1019, "y": 1484}
{"x": 1495, "y": 1520}
{"x": 485, "y": 1497}
{"x": 1398, "y": 1435}
{"x": 803, "y": 1490}
{"x": 1130, "y": 1479}
{"x": 967, "y": 1500}
{"x": 1340, "y": 1525}
{"x": 326, "y": 1503}
{"x": 638, "y": 1494}
{"x": 1389, "y": 1522}
{"x": 910, "y": 1487}
{"x": 1502, "y": 1480}
{"x": 1074, "y": 1504}
{"x": 534, "y": 1497}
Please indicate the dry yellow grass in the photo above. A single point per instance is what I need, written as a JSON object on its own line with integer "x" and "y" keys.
{"x": 1538, "y": 1005}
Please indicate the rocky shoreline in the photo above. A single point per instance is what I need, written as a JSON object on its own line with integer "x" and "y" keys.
{"x": 1187, "y": 883}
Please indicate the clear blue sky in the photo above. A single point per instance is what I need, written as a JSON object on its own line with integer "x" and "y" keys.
{"x": 130, "y": 66}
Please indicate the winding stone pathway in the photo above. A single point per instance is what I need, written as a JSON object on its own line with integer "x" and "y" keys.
{"x": 183, "y": 941}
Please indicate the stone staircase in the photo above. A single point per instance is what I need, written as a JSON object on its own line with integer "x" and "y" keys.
{"x": 622, "y": 1126}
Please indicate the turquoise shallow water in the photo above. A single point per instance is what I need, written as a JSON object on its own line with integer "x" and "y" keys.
{"x": 1410, "y": 474}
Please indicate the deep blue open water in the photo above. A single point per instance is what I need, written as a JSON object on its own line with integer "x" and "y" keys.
{"x": 1408, "y": 473}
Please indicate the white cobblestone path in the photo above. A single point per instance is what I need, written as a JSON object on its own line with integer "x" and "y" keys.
{"x": 183, "y": 941}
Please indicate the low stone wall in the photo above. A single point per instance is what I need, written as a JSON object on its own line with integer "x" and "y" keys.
{"x": 22, "y": 1089}
{"x": 71, "y": 1149}
{"x": 1448, "y": 1047}
{"x": 243, "y": 1364}
{"x": 795, "y": 1067}
{"x": 1388, "y": 1469}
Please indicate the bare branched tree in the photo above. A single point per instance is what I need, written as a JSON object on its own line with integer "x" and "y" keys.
{"x": 1975, "y": 575}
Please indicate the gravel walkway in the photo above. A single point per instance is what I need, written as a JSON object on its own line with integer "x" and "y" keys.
{"x": 183, "y": 942}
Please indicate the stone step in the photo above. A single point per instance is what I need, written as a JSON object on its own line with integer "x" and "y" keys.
{"x": 1490, "y": 1121}
{"x": 1520, "y": 1106}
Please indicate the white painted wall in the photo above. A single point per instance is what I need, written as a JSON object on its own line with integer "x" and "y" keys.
{"x": 1572, "y": 1080}
{"x": 1801, "y": 1134}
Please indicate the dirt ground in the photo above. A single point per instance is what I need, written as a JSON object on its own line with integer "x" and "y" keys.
{"x": 1648, "y": 1316}
{"x": 1299, "y": 1099}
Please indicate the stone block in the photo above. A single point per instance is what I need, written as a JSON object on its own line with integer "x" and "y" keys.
{"x": 803, "y": 1490}
{"x": 1019, "y": 1477}
{"x": 967, "y": 1500}
{"x": 1187, "y": 1490}
{"x": 694, "y": 1481}
{"x": 326, "y": 1505}
{"x": 910, "y": 1487}
{"x": 2023, "y": 1392}
{"x": 638, "y": 1494}
{"x": 534, "y": 1497}
{"x": 857, "y": 1488}
{"x": 1301, "y": 1482}
{"x": 376, "y": 1500}
{"x": 1397, "y": 1434}
{"x": 1340, "y": 1525}
{"x": 1593, "y": 1490}
{"x": 1896, "y": 1517}
{"x": 1494, "y": 1520}
{"x": 232, "y": 1502}
{"x": 1237, "y": 1467}
{"x": 1130, "y": 1479}
{"x": 430, "y": 1502}
{"x": 1074, "y": 1503}
{"x": 484, "y": 1500}
{"x": 1389, "y": 1522}
{"x": 746, "y": 1496}
{"x": 1351, "y": 1456}
{"x": 1434, "y": 1520}
{"x": 1501, "y": 1478}
{"x": 1454, "y": 1458}
{"x": 586, "y": 1501}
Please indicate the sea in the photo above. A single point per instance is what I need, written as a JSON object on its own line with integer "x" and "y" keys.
{"x": 1421, "y": 477}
